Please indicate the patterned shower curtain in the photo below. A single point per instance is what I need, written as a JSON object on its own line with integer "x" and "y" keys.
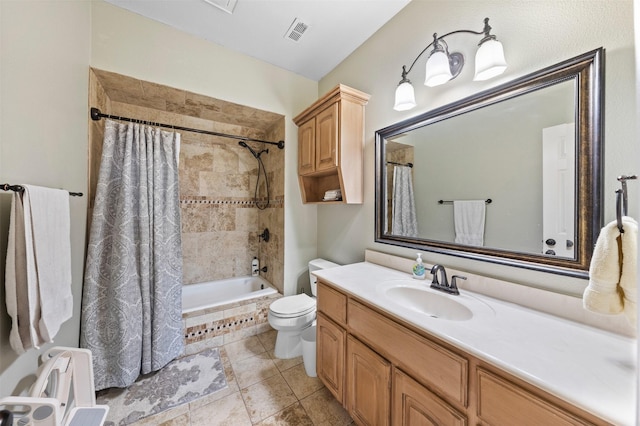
{"x": 131, "y": 306}
{"x": 404, "y": 219}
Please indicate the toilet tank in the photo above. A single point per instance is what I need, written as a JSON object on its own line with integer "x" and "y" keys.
{"x": 315, "y": 265}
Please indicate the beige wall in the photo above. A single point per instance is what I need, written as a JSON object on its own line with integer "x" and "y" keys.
{"x": 129, "y": 44}
{"x": 535, "y": 34}
{"x": 44, "y": 70}
{"x": 47, "y": 48}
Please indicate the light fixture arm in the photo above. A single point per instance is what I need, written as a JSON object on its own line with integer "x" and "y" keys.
{"x": 437, "y": 39}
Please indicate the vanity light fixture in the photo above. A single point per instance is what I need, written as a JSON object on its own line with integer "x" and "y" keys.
{"x": 443, "y": 66}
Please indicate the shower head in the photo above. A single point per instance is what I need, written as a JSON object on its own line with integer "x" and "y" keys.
{"x": 244, "y": 145}
{"x": 255, "y": 154}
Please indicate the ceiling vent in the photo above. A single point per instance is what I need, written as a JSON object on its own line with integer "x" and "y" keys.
{"x": 226, "y": 5}
{"x": 296, "y": 30}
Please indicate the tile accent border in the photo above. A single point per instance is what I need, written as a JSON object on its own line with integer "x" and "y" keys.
{"x": 215, "y": 327}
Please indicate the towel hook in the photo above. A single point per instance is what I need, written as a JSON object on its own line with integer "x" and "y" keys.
{"x": 621, "y": 200}
{"x": 619, "y": 196}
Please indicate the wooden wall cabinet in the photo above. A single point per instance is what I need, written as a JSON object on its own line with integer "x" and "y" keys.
{"x": 330, "y": 146}
{"x": 386, "y": 371}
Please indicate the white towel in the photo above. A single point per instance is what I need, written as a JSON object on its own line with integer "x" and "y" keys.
{"x": 603, "y": 295}
{"x": 38, "y": 273}
{"x": 468, "y": 220}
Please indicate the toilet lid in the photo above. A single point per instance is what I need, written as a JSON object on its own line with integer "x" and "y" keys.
{"x": 292, "y": 305}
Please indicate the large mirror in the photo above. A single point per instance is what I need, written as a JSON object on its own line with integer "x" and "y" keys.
{"x": 512, "y": 175}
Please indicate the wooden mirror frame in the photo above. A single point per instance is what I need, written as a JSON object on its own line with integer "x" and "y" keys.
{"x": 588, "y": 72}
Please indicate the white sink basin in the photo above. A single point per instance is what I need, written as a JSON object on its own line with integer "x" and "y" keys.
{"x": 429, "y": 302}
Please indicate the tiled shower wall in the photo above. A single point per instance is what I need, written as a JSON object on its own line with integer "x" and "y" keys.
{"x": 220, "y": 223}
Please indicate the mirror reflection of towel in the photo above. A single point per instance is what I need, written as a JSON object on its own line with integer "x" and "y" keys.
{"x": 404, "y": 219}
{"x": 468, "y": 219}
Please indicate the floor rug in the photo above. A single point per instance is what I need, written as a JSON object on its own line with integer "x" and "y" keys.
{"x": 182, "y": 380}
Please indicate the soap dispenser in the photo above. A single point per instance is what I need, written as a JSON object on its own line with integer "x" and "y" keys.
{"x": 255, "y": 267}
{"x": 419, "y": 271}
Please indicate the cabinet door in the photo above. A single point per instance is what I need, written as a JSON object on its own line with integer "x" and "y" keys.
{"x": 327, "y": 139}
{"x": 368, "y": 385}
{"x": 307, "y": 147}
{"x": 330, "y": 352}
{"x": 414, "y": 405}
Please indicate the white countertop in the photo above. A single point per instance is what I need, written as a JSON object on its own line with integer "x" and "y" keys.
{"x": 588, "y": 367}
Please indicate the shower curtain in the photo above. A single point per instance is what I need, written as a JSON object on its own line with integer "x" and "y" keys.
{"x": 131, "y": 306}
{"x": 403, "y": 216}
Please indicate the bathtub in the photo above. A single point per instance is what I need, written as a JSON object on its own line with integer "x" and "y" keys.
{"x": 218, "y": 312}
{"x": 213, "y": 294}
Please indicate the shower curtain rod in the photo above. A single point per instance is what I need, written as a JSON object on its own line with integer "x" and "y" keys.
{"x": 96, "y": 115}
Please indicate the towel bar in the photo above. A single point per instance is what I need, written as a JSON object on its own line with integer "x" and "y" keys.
{"x": 487, "y": 201}
{"x": 18, "y": 188}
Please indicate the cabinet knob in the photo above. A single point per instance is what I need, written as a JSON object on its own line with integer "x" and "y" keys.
{"x": 550, "y": 242}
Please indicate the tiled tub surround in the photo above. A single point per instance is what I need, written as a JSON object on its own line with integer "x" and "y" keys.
{"x": 220, "y": 222}
{"x": 590, "y": 368}
{"x": 226, "y": 323}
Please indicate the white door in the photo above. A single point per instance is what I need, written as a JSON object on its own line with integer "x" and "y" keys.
{"x": 558, "y": 190}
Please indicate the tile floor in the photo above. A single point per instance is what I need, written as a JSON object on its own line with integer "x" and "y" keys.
{"x": 262, "y": 390}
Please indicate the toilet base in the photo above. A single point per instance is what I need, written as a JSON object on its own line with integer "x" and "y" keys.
{"x": 288, "y": 344}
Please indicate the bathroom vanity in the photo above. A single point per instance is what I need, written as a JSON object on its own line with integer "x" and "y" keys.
{"x": 394, "y": 351}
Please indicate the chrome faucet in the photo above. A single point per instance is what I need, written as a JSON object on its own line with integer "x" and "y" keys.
{"x": 444, "y": 285}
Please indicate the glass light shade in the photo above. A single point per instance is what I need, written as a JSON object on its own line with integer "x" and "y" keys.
{"x": 489, "y": 60}
{"x": 405, "y": 97}
{"x": 438, "y": 70}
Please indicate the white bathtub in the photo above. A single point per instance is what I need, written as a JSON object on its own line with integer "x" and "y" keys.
{"x": 196, "y": 297}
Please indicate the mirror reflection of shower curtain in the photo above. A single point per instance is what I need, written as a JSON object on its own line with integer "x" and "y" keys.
{"x": 404, "y": 221}
{"x": 132, "y": 307}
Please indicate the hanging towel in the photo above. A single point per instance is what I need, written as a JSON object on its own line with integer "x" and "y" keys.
{"x": 468, "y": 219}
{"x": 628, "y": 274}
{"x": 38, "y": 273}
{"x": 404, "y": 219}
{"x": 603, "y": 295}
{"x": 20, "y": 277}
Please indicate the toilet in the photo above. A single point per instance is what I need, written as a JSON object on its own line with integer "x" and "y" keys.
{"x": 291, "y": 315}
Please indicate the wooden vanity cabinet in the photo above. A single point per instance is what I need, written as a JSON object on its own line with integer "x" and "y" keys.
{"x": 385, "y": 371}
{"x": 368, "y": 385}
{"x": 330, "y": 355}
{"x": 330, "y": 144}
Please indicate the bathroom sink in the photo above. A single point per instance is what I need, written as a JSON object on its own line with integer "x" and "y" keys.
{"x": 429, "y": 302}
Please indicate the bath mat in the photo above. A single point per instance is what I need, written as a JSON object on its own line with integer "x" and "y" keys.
{"x": 182, "y": 380}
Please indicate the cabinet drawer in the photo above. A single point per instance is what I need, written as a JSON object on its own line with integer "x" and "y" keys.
{"x": 443, "y": 371}
{"x": 501, "y": 402}
{"x": 332, "y": 303}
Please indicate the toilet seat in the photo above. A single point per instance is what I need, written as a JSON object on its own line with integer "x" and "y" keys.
{"x": 293, "y": 306}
